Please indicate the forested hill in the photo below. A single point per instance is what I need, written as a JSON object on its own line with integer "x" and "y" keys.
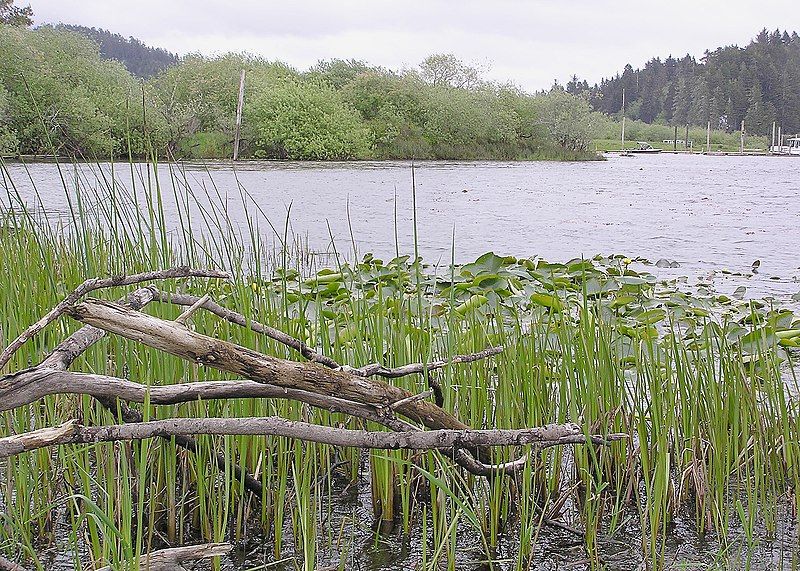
{"x": 758, "y": 84}
{"x": 141, "y": 60}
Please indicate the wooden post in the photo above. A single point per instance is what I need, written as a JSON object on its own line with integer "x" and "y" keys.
{"x": 686, "y": 139}
{"x": 741, "y": 139}
{"x": 773, "y": 134}
{"x": 238, "y": 119}
{"x": 780, "y": 139}
{"x": 623, "y": 119}
{"x": 675, "y": 139}
{"x": 708, "y": 138}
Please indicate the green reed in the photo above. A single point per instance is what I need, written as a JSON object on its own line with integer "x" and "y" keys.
{"x": 701, "y": 384}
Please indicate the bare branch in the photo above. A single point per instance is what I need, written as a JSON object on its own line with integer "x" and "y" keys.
{"x": 177, "y": 340}
{"x": 241, "y": 320}
{"x": 7, "y": 565}
{"x": 74, "y": 433}
{"x": 93, "y": 284}
{"x": 30, "y": 385}
{"x": 309, "y": 353}
{"x": 412, "y": 368}
{"x": 72, "y": 347}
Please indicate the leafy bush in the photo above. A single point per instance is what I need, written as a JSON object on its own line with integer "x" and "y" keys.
{"x": 303, "y": 120}
{"x": 63, "y": 98}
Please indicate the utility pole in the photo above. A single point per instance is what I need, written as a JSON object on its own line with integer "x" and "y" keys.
{"x": 675, "y": 139}
{"x": 686, "y": 139}
{"x": 238, "y": 119}
{"x": 708, "y": 139}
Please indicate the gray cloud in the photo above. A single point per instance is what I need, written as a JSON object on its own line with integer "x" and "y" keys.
{"x": 530, "y": 43}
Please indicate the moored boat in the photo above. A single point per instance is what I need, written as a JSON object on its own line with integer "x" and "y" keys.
{"x": 644, "y": 147}
{"x": 790, "y": 147}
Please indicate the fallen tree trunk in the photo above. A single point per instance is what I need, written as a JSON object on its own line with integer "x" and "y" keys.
{"x": 74, "y": 433}
{"x": 177, "y": 340}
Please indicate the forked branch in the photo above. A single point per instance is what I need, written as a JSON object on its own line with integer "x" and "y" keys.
{"x": 94, "y": 284}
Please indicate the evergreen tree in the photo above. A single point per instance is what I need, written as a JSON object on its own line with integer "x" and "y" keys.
{"x": 759, "y": 83}
{"x": 14, "y": 15}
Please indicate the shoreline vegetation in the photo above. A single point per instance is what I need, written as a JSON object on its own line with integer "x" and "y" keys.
{"x": 704, "y": 386}
{"x": 59, "y": 97}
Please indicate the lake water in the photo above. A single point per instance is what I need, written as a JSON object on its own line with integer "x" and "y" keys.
{"x": 707, "y": 213}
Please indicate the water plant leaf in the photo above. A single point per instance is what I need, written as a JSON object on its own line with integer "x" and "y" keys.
{"x": 547, "y": 300}
{"x": 472, "y": 303}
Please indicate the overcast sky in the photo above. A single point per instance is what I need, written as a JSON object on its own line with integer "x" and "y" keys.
{"x": 529, "y": 43}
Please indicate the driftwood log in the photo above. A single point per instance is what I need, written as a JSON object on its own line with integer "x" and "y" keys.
{"x": 178, "y": 340}
{"x": 74, "y": 433}
{"x": 174, "y": 558}
{"x": 319, "y": 382}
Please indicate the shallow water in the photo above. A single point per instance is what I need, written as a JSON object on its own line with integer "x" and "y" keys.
{"x": 707, "y": 213}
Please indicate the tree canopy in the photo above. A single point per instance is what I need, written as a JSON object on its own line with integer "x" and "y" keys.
{"x": 139, "y": 59}
{"x": 60, "y": 93}
{"x": 758, "y": 84}
{"x": 14, "y": 15}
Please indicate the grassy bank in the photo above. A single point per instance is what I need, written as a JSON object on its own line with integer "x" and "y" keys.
{"x": 721, "y": 141}
{"x": 701, "y": 382}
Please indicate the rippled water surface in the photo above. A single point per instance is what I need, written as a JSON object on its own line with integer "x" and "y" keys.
{"x": 707, "y": 213}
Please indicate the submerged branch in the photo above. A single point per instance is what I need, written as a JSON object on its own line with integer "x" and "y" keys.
{"x": 171, "y": 559}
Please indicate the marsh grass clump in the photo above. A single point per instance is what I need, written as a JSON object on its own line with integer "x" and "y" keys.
{"x": 702, "y": 383}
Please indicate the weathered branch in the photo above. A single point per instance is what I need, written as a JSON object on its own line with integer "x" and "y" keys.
{"x": 72, "y": 347}
{"x": 241, "y": 320}
{"x": 177, "y": 340}
{"x": 374, "y": 369}
{"x": 30, "y": 385}
{"x": 171, "y": 559}
{"x": 7, "y": 565}
{"x": 74, "y": 433}
{"x": 93, "y": 284}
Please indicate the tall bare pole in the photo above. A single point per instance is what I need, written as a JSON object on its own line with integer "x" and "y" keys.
{"x": 238, "y": 118}
{"x": 623, "y": 119}
{"x": 741, "y": 139}
{"x": 708, "y": 138}
{"x": 774, "y": 125}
